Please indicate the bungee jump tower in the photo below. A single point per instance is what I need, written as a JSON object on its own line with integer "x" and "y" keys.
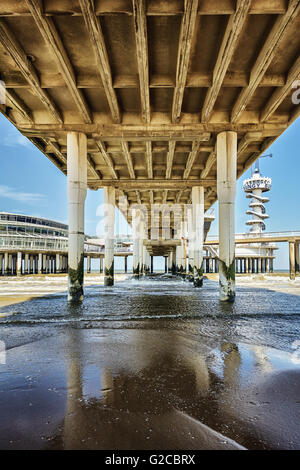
{"x": 254, "y": 187}
{"x": 258, "y": 257}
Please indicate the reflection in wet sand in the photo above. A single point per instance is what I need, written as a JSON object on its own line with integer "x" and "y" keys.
{"x": 138, "y": 406}
{"x": 148, "y": 366}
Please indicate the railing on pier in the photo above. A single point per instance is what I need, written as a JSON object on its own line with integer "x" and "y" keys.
{"x": 265, "y": 235}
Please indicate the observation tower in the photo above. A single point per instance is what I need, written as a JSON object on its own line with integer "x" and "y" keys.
{"x": 255, "y": 187}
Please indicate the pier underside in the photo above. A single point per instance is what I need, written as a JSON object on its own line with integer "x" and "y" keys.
{"x": 152, "y": 86}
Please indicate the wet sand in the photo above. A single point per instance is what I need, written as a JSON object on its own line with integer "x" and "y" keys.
{"x": 14, "y": 290}
{"x": 145, "y": 382}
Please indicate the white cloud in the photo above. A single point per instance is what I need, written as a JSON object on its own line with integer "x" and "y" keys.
{"x": 13, "y": 139}
{"x": 12, "y": 193}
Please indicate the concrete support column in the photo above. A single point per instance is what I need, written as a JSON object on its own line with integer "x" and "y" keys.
{"x": 1, "y": 264}
{"x": 182, "y": 263}
{"x": 216, "y": 265}
{"x": 101, "y": 265}
{"x": 6, "y": 268}
{"x": 77, "y": 187}
{"x": 57, "y": 263}
{"x": 166, "y": 264}
{"x": 109, "y": 230}
{"x": 170, "y": 263}
{"x": 259, "y": 262}
{"x": 44, "y": 266}
{"x": 26, "y": 267}
{"x": 148, "y": 262}
{"x": 151, "y": 264}
{"x": 10, "y": 264}
{"x": 142, "y": 248}
{"x": 292, "y": 260}
{"x": 31, "y": 264}
{"x": 145, "y": 261}
{"x": 19, "y": 263}
{"x": 297, "y": 268}
{"x": 226, "y": 188}
{"x": 88, "y": 261}
{"x": 40, "y": 264}
{"x": 136, "y": 220}
{"x": 178, "y": 258}
{"x": 198, "y": 233}
{"x": 125, "y": 264}
{"x": 174, "y": 261}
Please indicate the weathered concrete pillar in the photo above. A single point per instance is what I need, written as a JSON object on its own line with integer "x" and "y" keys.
{"x": 44, "y": 265}
{"x": 297, "y": 267}
{"x": 77, "y": 188}
{"x": 26, "y": 267}
{"x": 217, "y": 266}
{"x": 174, "y": 260}
{"x": 182, "y": 264}
{"x": 170, "y": 262}
{"x": 101, "y": 264}
{"x": 292, "y": 260}
{"x": 198, "y": 233}
{"x": 145, "y": 261}
{"x": 178, "y": 259}
{"x": 40, "y": 264}
{"x": 88, "y": 262}
{"x": 10, "y": 264}
{"x": 1, "y": 264}
{"x": 6, "y": 268}
{"x": 166, "y": 264}
{"x": 136, "y": 219}
{"x": 125, "y": 264}
{"x": 226, "y": 188}
{"x": 19, "y": 263}
{"x": 148, "y": 262}
{"x": 259, "y": 265}
{"x": 109, "y": 230}
{"x": 57, "y": 263}
{"x": 141, "y": 247}
{"x": 30, "y": 264}
{"x": 151, "y": 264}
{"x": 271, "y": 265}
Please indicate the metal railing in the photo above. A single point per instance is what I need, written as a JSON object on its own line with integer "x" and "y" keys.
{"x": 266, "y": 235}
{"x": 57, "y": 244}
{"x": 33, "y": 243}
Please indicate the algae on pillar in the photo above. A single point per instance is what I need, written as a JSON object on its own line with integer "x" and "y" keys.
{"x": 77, "y": 188}
{"x": 198, "y": 233}
{"x": 226, "y": 188}
{"x": 109, "y": 229}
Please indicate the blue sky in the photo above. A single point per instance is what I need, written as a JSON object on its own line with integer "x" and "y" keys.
{"x": 31, "y": 184}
